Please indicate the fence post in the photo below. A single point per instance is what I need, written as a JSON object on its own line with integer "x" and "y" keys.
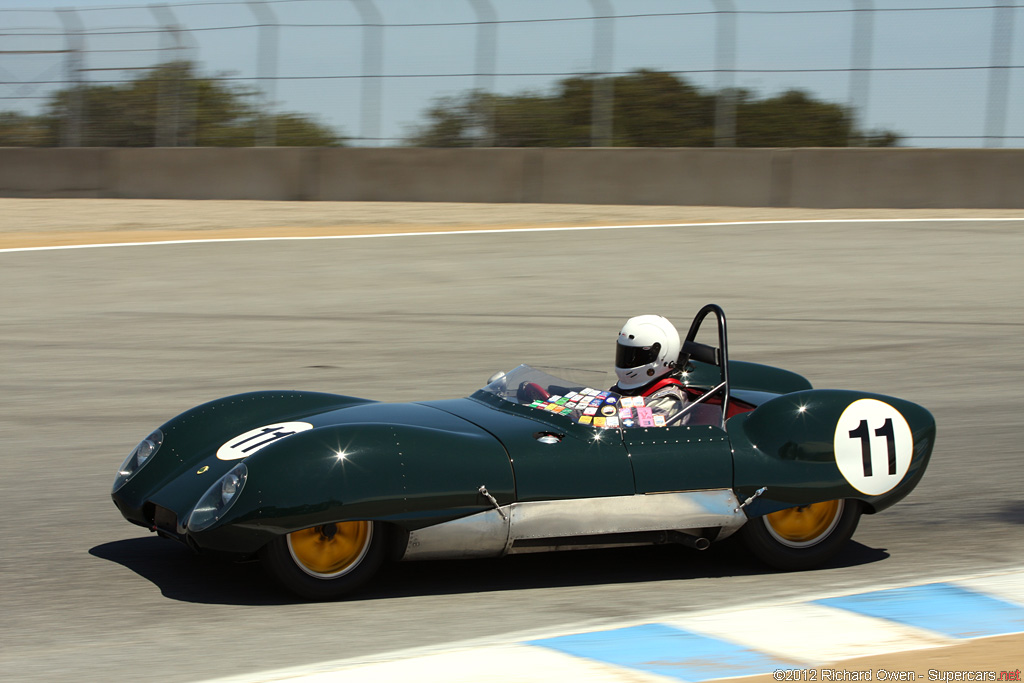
{"x": 168, "y": 105}
{"x": 604, "y": 87}
{"x": 999, "y": 73}
{"x": 71, "y": 133}
{"x": 266, "y": 70}
{"x": 486, "y": 60}
{"x": 861, "y": 47}
{"x": 725, "y": 73}
{"x": 373, "y": 67}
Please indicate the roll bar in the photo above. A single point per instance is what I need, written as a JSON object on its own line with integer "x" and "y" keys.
{"x": 692, "y": 349}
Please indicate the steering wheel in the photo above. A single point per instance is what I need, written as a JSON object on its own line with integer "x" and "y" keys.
{"x": 529, "y": 392}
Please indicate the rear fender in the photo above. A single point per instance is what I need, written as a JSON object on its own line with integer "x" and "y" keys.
{"x": 757, "y": 377}
{"x": 746, "y": 376}
{"x": 811, "y": 446}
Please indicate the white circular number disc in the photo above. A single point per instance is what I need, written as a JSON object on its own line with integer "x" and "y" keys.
{"x": 873, "y": 446}
{"x": 254, "y": 440}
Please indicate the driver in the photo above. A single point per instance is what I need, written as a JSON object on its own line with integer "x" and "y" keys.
{"x": 645, "y": 362}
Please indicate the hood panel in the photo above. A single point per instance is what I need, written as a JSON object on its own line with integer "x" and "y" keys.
{"x": 405, "y": 462}
{"x": 191, "y": 441}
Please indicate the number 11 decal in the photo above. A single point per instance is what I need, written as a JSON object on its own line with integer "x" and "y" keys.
{"x": 254, "y": 440}
{"x": 886, "y": 430}
{"x": 868, "y": 431}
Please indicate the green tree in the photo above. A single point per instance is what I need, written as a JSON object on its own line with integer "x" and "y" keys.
{"x": 649, "y": 109}
{"x": 169, "y": 105}
{"x": 527, "y": 120}
{"x": 19, "y": 130}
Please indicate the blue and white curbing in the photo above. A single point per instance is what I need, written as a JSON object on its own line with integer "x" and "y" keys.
{"x": 703, "y": 646}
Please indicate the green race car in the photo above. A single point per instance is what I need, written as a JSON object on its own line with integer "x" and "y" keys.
{"x": 324, "y": 488}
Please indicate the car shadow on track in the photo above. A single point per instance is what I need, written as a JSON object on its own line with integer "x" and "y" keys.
{"x": 182, "y": 575}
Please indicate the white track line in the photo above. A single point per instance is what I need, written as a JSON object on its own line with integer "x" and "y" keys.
{"x": 495, "y": 231}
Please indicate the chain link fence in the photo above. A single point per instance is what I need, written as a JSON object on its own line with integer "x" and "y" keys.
{"x": 935, "y": 72}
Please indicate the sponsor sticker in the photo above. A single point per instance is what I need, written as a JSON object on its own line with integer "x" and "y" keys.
{"x": 585, "y": 419}
{"x": 625, "y": 413}
{"x": 607, "y": 410}
{"x": 659, "y": 420}
{"x": 645, "y": 417}
{"x": 590, "y": 410}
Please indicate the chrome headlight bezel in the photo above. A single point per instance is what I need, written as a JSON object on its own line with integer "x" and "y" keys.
{"x": 140, "y": 456}
{"x": 218, "y": 499}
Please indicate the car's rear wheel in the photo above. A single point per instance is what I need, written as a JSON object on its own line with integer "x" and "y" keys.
{"x": 802, "y": 537}
{"x": 327, "y": 561}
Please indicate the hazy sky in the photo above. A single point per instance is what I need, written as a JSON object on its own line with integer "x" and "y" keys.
{"x": 781, "y": 44}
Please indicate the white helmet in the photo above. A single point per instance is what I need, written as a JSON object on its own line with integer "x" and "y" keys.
{"x": 648, "y": 347}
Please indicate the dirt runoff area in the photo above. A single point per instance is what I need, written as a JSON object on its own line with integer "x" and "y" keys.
{"x": 26, "y": 223}
{"x": 995, "y": 659}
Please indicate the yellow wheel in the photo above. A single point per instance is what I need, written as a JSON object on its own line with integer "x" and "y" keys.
{"x": 806, "y": 525}
{"x": 327, "y": 561}
{"x": 802, "y": 537}
{"x": 330, "y": 550}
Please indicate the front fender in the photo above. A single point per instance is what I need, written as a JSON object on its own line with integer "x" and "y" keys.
{"x": 817, "y": 445}
{"x": 411, "y": 475}
{"x": 192, "y": 438}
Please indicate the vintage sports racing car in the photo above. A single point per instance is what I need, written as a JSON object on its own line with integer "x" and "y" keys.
{"x": 324, "y": 488}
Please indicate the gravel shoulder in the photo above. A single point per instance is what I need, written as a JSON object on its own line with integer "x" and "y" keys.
{"x": 53, "y": 222}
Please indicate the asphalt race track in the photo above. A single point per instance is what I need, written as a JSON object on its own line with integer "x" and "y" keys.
{"x": 98, "y": 346}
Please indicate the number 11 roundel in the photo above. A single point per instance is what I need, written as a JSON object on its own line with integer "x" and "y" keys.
{"x": 873, "y": 446}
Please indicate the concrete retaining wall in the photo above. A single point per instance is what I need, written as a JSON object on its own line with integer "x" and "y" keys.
{"x": 812, "y": 178}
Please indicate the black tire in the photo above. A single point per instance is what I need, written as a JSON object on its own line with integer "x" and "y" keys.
{"x": 326, "y": 562}
{"x": 805, "y": 545}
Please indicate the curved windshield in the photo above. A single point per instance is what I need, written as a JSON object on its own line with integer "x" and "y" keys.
{"x": 577, "y": 400}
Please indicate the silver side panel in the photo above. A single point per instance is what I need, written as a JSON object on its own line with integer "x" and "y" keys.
{"x": 488, "y": 534}
{"x": 484, "y": 534}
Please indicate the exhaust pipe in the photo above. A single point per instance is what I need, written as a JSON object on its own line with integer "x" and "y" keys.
{"x": 689, "y": 540}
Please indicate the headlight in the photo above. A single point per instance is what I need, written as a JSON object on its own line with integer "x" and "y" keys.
{"x": 142, "y": 454}
{"x": 218, "y": 499}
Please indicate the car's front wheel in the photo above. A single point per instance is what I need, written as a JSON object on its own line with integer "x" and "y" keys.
{"x": 327, "y": 561}
{"x": 802, "y": 537}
